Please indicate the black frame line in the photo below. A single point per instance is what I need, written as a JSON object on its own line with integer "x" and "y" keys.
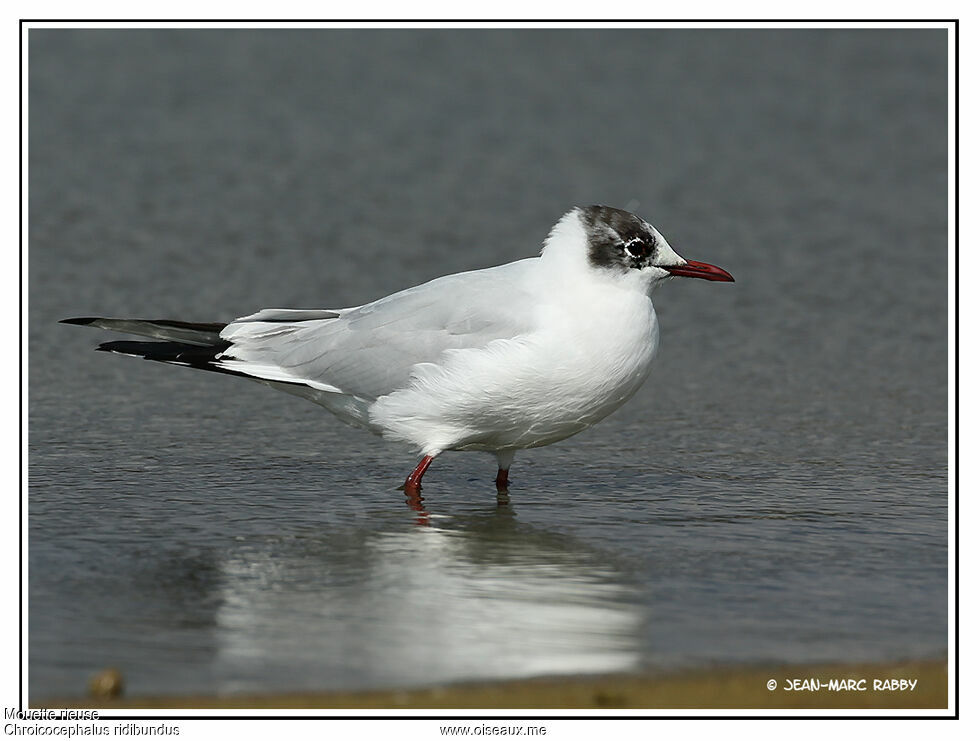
{"x": 558, "y": 23}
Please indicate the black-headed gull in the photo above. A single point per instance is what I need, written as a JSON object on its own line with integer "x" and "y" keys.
{"x": 501, "y": 359}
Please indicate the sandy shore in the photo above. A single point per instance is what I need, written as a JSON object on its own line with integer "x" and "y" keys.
{"x": 720, "y": 688}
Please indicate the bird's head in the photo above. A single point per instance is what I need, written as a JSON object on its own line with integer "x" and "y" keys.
{"x": 621, "y": 244}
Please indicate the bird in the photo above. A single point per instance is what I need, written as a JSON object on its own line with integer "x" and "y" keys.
{"x": 499, "y": 359}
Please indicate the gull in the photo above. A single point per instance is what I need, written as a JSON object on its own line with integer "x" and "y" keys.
{"x": 498, "y": 360}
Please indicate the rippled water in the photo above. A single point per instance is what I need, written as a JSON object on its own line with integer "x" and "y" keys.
{"x": 776, "y": 492}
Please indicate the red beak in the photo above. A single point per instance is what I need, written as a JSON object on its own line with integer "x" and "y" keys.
{"x": 695, "y": 269}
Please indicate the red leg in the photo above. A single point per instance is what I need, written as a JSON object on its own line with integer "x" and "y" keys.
{"x": 413, "y": 484}
{"x": 502, "y": 481}
{"x": 504, "y": 459}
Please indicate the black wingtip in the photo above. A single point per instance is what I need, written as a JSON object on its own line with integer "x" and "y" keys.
{"x": 81, "y": 320}
{"x": 123, "y": 346}
{"x": 137, "y": 348}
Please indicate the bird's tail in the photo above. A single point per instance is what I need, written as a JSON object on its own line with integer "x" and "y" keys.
{"x": 197, "y": 345}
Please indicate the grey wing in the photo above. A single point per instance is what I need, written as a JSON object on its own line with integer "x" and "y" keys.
{"x": 370, "y": 351}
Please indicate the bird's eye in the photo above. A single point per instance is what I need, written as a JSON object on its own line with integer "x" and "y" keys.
{"x": 635, "y": 247}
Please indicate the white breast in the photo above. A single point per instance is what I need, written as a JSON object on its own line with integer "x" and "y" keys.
{"x": 590, "y": 352}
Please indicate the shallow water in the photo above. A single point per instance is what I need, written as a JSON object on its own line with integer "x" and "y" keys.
{"x": 776, "y": 492}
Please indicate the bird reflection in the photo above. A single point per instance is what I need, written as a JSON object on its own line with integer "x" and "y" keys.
{"x": 414, "y": 501}
{"x": 472, "y": 594}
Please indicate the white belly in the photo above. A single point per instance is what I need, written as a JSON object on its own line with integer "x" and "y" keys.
{"x": 529, "y": 391}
